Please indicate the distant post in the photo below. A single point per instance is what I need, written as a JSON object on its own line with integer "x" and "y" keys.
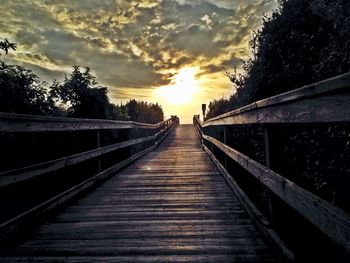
{"x": 204, "y": 107}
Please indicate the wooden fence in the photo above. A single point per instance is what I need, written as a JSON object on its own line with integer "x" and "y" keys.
{"x": 323, "y": 102}
{"x": 17, "y": 123}
{"x": 29, "y": 123}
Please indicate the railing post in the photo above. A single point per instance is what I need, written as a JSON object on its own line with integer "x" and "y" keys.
{"x": 225, "y": 142}
{"x": 99, "y": 146}
{"x": 131, "y": 135}
{"x": 270, "y": 212}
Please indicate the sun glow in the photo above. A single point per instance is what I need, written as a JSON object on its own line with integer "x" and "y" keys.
{"x": 183, "y": 88}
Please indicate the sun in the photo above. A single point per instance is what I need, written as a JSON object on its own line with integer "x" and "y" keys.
{"x": 181, "y": 91}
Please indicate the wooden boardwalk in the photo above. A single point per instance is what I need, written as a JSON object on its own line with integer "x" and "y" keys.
{"x": 171, "y": 205}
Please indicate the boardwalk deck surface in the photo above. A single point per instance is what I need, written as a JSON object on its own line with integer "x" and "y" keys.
{"x": 170, "y": 206}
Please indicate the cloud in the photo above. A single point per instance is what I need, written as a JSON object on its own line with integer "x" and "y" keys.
{"x": 134, "y": 45}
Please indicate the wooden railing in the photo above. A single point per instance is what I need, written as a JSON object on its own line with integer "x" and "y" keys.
{"x": 29, "y": 123}
{"x": 323, "y": 102}
{"x": 18, "y": 124}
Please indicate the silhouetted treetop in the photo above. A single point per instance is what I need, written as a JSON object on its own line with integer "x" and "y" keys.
{"x": 5, "y": 45}
{"x": 78, "y": 95}
{"x": 303, "y": 41}
{"x": 21, "y": 91}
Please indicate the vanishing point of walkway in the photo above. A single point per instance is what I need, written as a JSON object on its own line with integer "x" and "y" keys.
{"x": 171, "y": 205}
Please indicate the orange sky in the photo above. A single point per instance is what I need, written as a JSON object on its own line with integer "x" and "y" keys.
{"x": 166, "y": 51}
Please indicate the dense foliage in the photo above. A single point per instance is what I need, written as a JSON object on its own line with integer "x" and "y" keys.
{"x": 82, "y": 96}
{"x": 135, "y": 110}
{"x": 217, "y": 107}
{"x": 21, "y": 91}
{"x": 79, "y": 95}
{"x": 304, "y": 41}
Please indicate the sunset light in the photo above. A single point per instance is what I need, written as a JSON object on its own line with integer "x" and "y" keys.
{"x": 170, "y": 52}
{"x": 181, "y": 91}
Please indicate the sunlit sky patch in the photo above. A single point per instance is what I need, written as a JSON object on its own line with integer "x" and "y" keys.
{"x": 169, "y": 51}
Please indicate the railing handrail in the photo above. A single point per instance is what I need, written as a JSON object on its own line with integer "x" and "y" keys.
{"x": 324, "y": 101}
{"x": 13, "y": 122}
{"x": 15, "y": 225}
{"x": 331, "y": 220}
{"x": 319, "y": 102}
{"x": 20, "y": 121}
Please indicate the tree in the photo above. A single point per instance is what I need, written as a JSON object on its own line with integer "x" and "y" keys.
{"x": 217, "y": 107}
{"x": 21, "y": 91}
{"x": 82, "y": 95}
{"x": 141, "y": 111}
{"x": 5, "y": 45}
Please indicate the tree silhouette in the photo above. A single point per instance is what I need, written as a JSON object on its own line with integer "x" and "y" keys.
{"x": 5, "y": 45}
{"x": 21, "y": 91}
{"x": 302, "y": 42}
{"x": 82, "y": 95}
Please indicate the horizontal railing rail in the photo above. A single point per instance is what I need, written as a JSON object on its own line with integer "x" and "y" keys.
{"x": 323, "y": 102}
{"x": 17, "y": 123}
{"x": 22, "y": 221}
{"x": 12, "y": 122}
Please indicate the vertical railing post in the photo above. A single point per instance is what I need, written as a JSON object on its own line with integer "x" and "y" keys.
{"x": 99, "y": 146}
{"x": 267, "y": 135}
{"x": 131, "y": 135}
{"x": 267, "y": 147}
{"x": 225, "y": 142}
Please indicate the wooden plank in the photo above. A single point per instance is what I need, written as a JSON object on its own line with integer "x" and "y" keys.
{"x": 332, "y": 221}
{"x": 176, "y": 212}
{"x": 11, "y": 122}
{"x": 28, "y": 172}
{"x": 142, "y": 258}
{"x": 149, "y": 259}
{"x": 15, "y": 224}
{"x": 112, "y": 249}
{"x": 324, "y": 101}
{"x": 238, "y": 232}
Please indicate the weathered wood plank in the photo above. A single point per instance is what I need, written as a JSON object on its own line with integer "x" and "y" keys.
{"x": 15, "y": 224}
{"x": 28, "y": 172}
{"x": 332, "y": 221}
{"x": 259, "y": 220}
{"x": 11, "y": 122}
{"x": 324, "y": 101}
{"x": 172, "y": 212}
{"x": 150, "y": 259}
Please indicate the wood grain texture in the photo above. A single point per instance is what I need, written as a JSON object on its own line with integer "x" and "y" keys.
{"x": 324, "y": 101}
{"x": 172, "y": 205}
{"x": 28, "y": 172}
{"x": 258, "y": 218}
{"x": 16, "y": 224}
{"x": 12, "y": 122}
{"x": 331, "y": 220}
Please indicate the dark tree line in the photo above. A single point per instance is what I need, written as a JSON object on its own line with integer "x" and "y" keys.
{"x": 304, "y": 41}
{"x": 78, "y": 95}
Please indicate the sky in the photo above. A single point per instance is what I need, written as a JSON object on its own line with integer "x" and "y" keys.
{"x": 166, "y": 51}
